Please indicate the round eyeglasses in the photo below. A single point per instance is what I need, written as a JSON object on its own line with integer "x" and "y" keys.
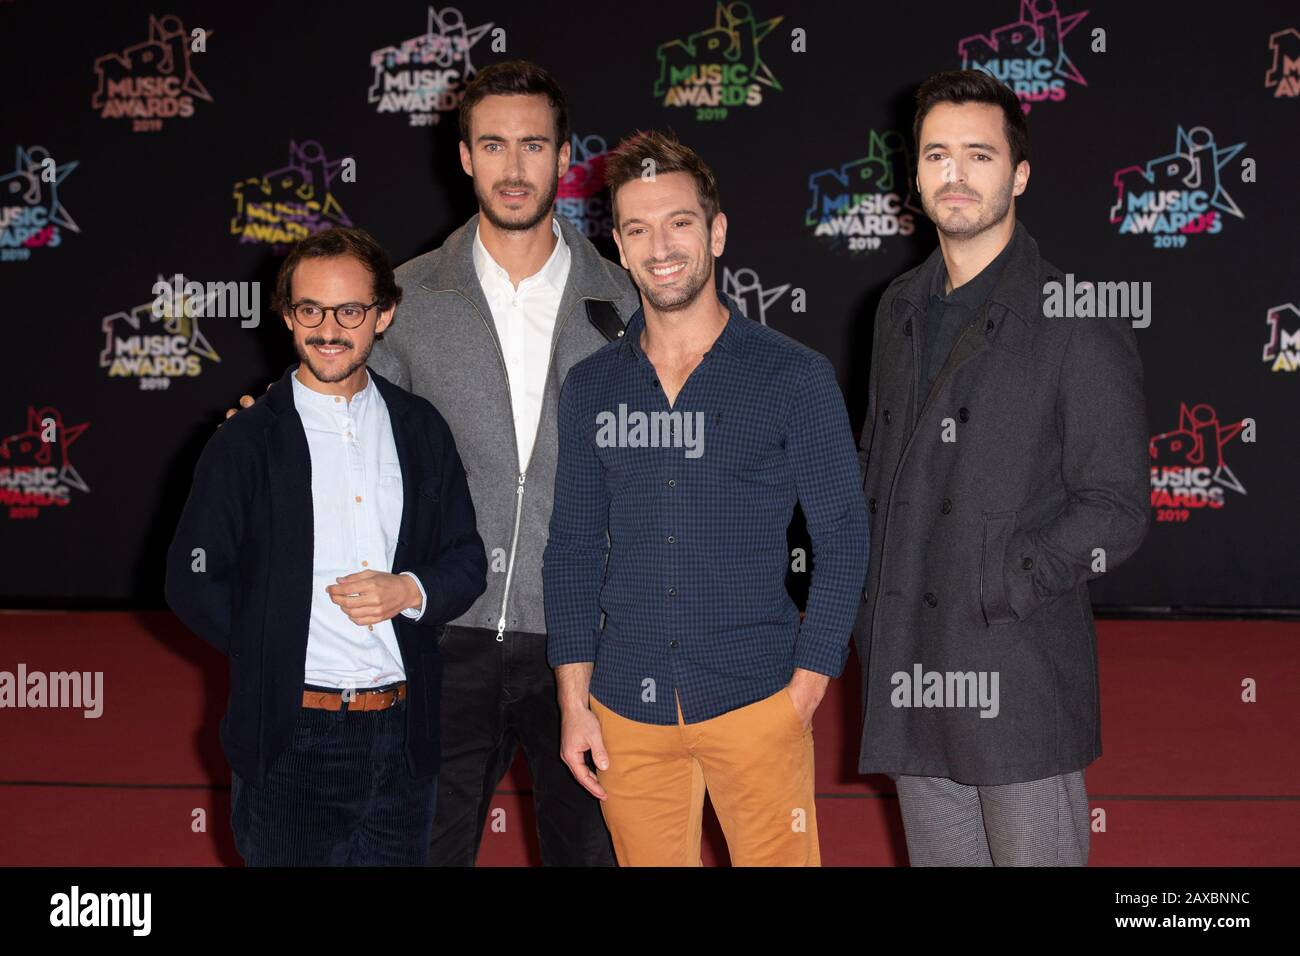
{"x": 349, "y": 315}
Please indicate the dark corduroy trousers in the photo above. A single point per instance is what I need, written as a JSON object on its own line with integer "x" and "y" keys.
{"x": 341, "y": 795}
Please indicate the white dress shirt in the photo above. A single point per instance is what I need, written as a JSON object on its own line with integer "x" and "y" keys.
{"x": 525, "y": 322}
{"x": 356, "y": 497}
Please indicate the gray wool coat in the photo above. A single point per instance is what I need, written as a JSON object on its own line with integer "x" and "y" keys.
{"x": 993, "y": 500}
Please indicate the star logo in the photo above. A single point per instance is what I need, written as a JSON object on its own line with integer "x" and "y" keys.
{"x": 446, "y": 42}
{"x": 733, "y": 39}
{"x": 35, "y": 182}
{"x": 751, "y": 297}
{"x": 1194, "y": 164}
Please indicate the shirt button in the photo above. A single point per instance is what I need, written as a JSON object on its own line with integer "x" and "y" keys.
{"x": 337, "y": 399}
{"x": 672, "y": 539}
{"x": 358, "y": 499}
{"x": 672, "y": 592}
{"x": 672, "y": 643}
{"x": 672, "y": 482}
{"x": 365, "y": 564}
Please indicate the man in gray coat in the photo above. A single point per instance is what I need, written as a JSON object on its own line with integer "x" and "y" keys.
{"x": 1005, "y": 464}
{"x": 490, "y": 325}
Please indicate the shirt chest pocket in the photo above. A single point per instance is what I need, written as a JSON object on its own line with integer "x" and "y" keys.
{"x": 390, "y": 502}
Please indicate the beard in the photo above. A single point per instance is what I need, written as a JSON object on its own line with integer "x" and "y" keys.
{"x": 959, "y": 224}
{"x": 306, "y": 356}
{"x": 528, "y": 220}
{"x": 673, "y": 300}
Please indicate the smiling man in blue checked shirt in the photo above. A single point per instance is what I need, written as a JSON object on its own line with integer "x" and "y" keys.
{"x": 683, "y": 449}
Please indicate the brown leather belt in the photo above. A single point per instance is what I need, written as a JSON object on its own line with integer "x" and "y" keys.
{"x": 357, "y": 699}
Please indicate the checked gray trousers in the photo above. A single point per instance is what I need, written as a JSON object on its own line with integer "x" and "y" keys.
{"x": 1035, "y": 823}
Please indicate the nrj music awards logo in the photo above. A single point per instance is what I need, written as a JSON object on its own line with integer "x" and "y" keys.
{"x": 31, "y": 215}
{"x": 154, "y": 80}
{"x": 1179, "y": 194}
{"x": 858, "y": 205}
{"x": 719, "y": 67}
{"x": 1283, "y": 77}
{"x": 1282, "y": 351}
{"x": 1028, "y": 54}
{"x": 581, "y": 196}
{"x": 161, "y": 340}
{"x": 284, "y": 205}
{"x": 35, "y": 470}
{"x": 752, "y": 297}
{"x": 425, "y": 76}
{"x": 1189, "y": 466}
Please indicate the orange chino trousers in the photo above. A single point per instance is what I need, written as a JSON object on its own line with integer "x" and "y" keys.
{"x": 755, "y": 762}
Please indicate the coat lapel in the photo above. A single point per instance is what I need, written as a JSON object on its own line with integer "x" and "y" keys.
{"x": 289, "y": 479}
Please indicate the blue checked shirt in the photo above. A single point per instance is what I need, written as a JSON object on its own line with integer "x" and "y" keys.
{"x": 675, "y": 529}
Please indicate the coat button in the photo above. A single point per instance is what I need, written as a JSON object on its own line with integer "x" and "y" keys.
{"x": 888, "y": 417}
{"x": 988, "y": 327}
{"x": 871, "y": 505}
{"x": 907, "y": 327}
{"x": 963, "y": 414}
{"x": 1027, "y": 564}
{"x": 947, "y": 506}
{"x": 930, "y": 599}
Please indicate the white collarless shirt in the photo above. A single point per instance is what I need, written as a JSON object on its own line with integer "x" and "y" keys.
{"x": 525, "y": 322}
{"x": 356, "y": 497}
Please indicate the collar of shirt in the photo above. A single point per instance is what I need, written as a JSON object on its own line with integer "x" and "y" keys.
{"x": 970, "y": 294}
{"x": 554, "y": 272}
{"x": 320, "y": 404}
{"x": 731, "y": 339}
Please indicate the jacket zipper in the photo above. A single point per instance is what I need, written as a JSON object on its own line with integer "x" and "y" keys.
{"x": 520, "y": 478}
{"x": 519, "y": 490}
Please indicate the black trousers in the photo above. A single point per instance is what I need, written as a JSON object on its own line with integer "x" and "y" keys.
{"x": 498, "y": 696}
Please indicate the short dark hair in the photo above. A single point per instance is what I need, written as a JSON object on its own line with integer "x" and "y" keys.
{"x": 627, "y": 161}
{"x": 340, "y": 241}
{"x": 974, "y": 86}
{"x": 515, "y": 78}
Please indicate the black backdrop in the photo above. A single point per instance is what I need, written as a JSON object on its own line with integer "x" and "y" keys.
{"x": 86, "y": 518}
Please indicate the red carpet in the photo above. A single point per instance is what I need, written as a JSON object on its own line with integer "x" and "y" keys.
{"x": 1191, "y": 775}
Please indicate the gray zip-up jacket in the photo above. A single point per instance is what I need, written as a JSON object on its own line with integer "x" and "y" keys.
{"x": 443, "y": 346}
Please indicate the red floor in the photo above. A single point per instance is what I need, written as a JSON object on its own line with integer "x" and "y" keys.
{"x": 1192, "y": 776}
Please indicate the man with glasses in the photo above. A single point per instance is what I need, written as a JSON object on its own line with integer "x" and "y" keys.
{"x": 328, "y": 536}
{"x": 493, "y": 320}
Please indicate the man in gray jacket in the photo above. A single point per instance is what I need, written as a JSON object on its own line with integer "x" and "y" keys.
{"x": 489, "y": 326}
{"x": 1005, "y": 464}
